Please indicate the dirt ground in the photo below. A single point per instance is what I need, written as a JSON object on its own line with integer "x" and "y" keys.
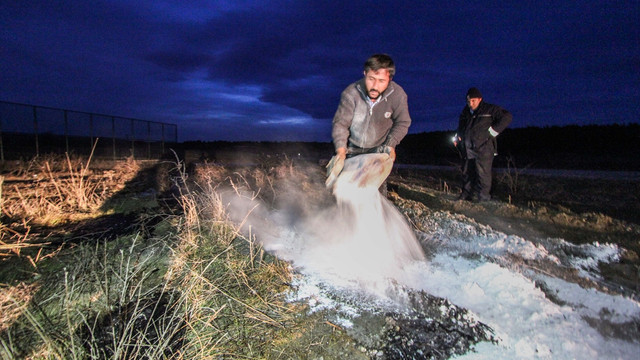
{"x": 578, "y": 210}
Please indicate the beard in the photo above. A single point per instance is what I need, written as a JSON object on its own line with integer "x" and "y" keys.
{"x": 373, "y": 94}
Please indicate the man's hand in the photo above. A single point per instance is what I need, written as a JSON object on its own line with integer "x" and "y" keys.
{"x": 392, "y": 154}
{"x": 456, "y": 139}
{"x": 386, "y": 149}
{"x": 335, "y": 165}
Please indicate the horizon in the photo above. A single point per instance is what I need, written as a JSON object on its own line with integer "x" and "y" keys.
{"x": 629, "y": 123}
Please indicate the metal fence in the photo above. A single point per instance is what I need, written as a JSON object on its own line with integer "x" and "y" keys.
{"x": 30, "y": 130}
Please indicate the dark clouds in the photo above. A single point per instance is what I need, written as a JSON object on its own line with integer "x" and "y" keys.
{"x": 255, "y": 70}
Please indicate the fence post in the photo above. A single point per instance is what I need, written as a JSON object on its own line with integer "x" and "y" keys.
{"x": 162, "y": 140}
{"x": 66, "y": 131}
{"x": 1, "y": 146}
{"x": 149, "y": 140}
{"x": 133, "y": 141}
{"x": 35, "y": 130}
{"x": 91, "y": 130}
{"x": 113, "y": 136}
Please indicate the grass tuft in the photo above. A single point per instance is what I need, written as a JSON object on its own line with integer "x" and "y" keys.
{"x": 189, "y": 286}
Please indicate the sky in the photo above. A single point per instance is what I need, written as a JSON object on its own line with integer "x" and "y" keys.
{"x": 251, "y": 70}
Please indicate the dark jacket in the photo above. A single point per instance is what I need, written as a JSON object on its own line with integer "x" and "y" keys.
{"x": 359, "y": 124}
{"x": 473, "y": 128}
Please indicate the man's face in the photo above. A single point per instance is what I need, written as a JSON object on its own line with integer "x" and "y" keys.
{"x": 376, "y": 82}
{"x": 473, "y": 102}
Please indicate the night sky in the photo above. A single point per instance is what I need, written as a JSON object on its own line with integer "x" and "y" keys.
{"x": 273, "y": 70}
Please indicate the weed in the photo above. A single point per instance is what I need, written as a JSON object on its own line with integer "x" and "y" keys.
{"x": 511, "y": 177}
{"x": 197, "y": 289}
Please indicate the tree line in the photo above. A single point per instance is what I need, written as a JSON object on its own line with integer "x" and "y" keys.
{"x": 592, "y": 147}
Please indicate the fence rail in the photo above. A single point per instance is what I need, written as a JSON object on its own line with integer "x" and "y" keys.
{"x": 28, "y": 130}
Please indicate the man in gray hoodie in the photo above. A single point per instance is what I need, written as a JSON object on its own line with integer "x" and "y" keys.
{"x": 373, "y": 115}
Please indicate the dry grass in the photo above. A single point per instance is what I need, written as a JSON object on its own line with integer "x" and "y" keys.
{"x": 205, "y": 290}
{"x": 48, "y": 193}
{"x": 233, "y": 293}
{"x": 13, "y": 301}
{"x": 51, "y": 190}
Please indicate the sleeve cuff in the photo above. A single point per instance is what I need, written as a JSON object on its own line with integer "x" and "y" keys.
{"x": 493, "y": 132}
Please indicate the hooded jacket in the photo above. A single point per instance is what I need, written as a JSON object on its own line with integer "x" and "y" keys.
{"x": 473, "y": 128}
{"x": 358, "y": 123}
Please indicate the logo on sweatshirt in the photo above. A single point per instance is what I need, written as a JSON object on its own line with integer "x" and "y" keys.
{"x": 387, "y": 114}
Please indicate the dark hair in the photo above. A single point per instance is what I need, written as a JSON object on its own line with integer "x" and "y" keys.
{"x": 380, "y": 61}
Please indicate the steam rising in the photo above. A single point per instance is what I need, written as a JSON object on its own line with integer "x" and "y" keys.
{"x": 360, "y": 240}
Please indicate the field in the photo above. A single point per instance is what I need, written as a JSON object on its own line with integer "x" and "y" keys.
{"x": 580, "y": 210}
{"x": 146, "y": 260}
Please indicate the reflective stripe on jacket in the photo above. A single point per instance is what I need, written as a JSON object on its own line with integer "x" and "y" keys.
{"x": 473, "y": 128}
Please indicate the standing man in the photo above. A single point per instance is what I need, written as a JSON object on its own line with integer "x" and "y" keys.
{"x": 479, "y": 124}
{"x": 373, "y": 115}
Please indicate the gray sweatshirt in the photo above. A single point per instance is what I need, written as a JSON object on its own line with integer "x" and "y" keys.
{"x": 361, "y": 124}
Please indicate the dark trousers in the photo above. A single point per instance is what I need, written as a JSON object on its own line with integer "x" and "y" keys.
{"x": 476, "y": 177}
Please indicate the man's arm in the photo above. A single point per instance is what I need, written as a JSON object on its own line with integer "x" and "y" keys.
{"x": 342, "y": 121}
{"x": 457, "y": 138}
{"x": 401, "y": 123}
{"x": 501, "y": 119}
